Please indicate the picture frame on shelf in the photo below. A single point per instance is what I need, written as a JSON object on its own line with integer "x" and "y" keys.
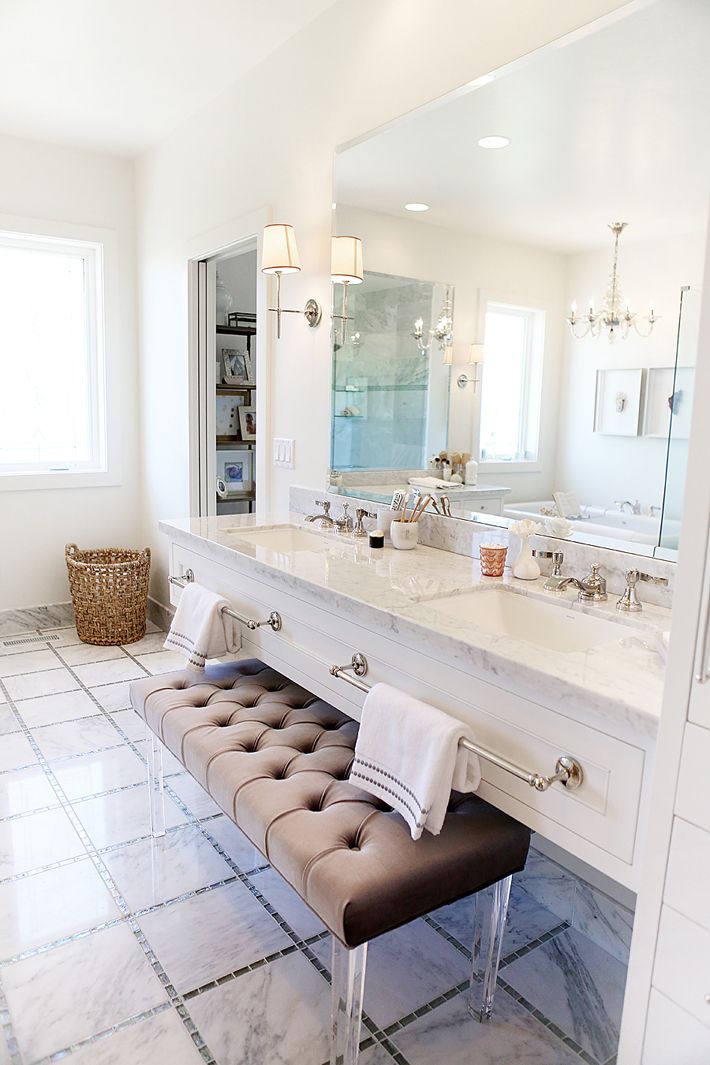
{"x": 617, "y": 402}
{"x": 237, "y": 367}
{"x": 236, "y": 469}
{"x": 227, "y": 424}
{"x": 668, "y": 402}
{"x": 247, "y": 422}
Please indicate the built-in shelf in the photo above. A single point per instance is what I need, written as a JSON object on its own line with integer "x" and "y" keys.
{"x": 237, "y": 330}
{"x": 231, "y": 390}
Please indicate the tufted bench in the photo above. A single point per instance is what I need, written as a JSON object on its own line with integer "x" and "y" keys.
{"x": 276, "y": 759}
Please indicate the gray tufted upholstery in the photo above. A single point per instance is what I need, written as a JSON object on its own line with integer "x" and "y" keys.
{"x": 276, "y": 759}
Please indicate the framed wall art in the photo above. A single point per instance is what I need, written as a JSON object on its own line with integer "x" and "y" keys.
{"x": 617, "y": 402}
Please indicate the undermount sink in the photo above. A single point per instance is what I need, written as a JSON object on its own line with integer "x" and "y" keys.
{"x": 553, "y": 626}
{"x": 286, "y": 539}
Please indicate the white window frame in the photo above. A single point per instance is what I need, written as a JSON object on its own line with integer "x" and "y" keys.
{"x": 99, "y": 247}
{"x": 535, "y": 350}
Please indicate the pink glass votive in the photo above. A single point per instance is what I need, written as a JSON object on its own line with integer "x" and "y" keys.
{"x": 493, "y": 559}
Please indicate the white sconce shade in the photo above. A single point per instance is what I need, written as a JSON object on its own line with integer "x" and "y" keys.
{"x": 476, "y": 354}
{"x": 279, "y": 251}
{"x": 448, "y": 359}
{"x": 346, "y": 261}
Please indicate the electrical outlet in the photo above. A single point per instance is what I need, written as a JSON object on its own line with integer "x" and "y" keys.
{"x": 283, "y": 450}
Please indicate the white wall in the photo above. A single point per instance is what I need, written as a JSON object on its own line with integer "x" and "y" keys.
{"x": 55, "y": 184}
{"x": 513, "y": 273}
{"x": 268, "y": 142}
{"x": 605, "y": 468}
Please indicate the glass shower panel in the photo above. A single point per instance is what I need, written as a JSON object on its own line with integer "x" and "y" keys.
{"x": 390, "y": 399}
{"x": 680, "y": 403}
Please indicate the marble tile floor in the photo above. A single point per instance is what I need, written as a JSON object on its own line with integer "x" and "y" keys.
{"x": 117, "y": 950}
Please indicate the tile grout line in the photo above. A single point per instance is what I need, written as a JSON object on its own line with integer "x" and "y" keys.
{"x": 175, "y": 1000}
{"x": 377, "y": 1035}
{"x": 297, "y": 940}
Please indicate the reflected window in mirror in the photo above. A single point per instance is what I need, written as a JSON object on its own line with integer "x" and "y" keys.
{"x": 510, "y": 398}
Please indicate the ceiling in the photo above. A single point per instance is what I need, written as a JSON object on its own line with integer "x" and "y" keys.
{"x": 118, "y": 75}
{"x": 614, "y": 126}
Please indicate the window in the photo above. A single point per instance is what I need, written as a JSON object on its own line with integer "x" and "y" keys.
{"x": 510, "y": 394}
{"x": 52, "y": 396}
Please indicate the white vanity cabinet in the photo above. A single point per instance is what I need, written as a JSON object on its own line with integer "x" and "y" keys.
{"x": 598, "y": 822}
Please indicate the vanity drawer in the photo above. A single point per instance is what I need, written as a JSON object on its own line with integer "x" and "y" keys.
{"x": 693, "y": 797}
{"x": 672, "y": 1035}
{"x": 597, "y": 819}
{"x": 487, "y": 506}
{"x": 687, "y": 886}
{"x": 682, "y": 966}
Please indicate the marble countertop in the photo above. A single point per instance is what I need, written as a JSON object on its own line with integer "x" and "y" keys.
{"x": 612, "y": 685}
{"x": 382, "y": 493}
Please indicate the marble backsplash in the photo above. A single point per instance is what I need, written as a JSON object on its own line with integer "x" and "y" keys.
{"x": 465, "y": 538}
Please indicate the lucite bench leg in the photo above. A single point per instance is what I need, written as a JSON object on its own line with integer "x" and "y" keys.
{"x": 348, "y": 982}
{"x": 156, "y": 794}
{"x": 491, "y": 910}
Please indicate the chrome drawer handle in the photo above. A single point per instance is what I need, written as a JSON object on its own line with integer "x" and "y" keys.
{"x": 274, "y": 620}
{"x": 568, "y": 771}
{"x": 181, "y": 582}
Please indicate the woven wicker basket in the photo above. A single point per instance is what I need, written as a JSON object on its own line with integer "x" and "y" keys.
{"x": 109, "y": 590}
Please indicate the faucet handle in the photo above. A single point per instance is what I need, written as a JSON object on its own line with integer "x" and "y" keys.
{"x": 629, "y": 601}
{"x": 361, "y": 513}
{"x": 325, "y": 503}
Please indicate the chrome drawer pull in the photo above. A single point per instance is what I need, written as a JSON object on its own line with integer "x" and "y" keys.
{"x": 180, "y": 582}
{"x": 568, "y": 771}
{"x": 273, "y": 621}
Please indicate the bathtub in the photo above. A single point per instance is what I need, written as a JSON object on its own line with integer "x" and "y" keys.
{"x": 599, "y": 521}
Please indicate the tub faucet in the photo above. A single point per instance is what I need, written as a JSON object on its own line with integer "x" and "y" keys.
{"x": 634, "y": 508}
{"x": 324, "y": 520}
{"x": 591, "y": 590}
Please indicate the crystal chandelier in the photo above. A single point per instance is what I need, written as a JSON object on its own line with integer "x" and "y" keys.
{"x": 616, "y": 317}
{"x": 443, "y": 331}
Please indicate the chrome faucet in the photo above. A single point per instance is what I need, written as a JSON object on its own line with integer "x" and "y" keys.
{"x": 553, "y": 582}
{"x": 324, "y": 520}
{"x": 359, "y": 531}
{"x": 634, "y": 508}
{"x": 629, "y": 601}
{"x": 344, "y": 524}
{"x": 591, "y": 590}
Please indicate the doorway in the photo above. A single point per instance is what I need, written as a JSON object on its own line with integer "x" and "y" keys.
{"x": 228, "y": 373}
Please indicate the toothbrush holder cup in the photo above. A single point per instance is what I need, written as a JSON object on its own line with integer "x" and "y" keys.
{"x": 404, "y": 534}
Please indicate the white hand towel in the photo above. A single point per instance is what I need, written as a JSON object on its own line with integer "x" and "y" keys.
{"x": 434, "y": 482}
{"x": 200, "y": 630}
{"x": 407, "y": 754}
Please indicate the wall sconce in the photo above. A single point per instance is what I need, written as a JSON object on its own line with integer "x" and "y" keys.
{"x": 346, "y": 269}
{"x": 280, "y": 256}
{"x": 475, "y": 359}
{"x": 443, "y": 331}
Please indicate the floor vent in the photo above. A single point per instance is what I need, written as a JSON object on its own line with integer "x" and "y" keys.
{"x": 22, "y": 641}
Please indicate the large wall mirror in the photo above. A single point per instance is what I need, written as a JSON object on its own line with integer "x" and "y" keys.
{"x": 504, "y": 316}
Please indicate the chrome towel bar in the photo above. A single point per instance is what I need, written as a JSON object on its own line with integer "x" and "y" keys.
{"x": 568, "y": 771}
{"x": 273, "y": 621}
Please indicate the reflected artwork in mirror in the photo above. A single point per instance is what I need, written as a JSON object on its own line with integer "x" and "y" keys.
{"x": 467, "y": 338}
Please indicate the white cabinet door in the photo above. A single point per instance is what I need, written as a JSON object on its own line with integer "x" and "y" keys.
{"x": 699, "y": 709}
{"x": 682, "y": 967}
{"x": 673, "y": 1037}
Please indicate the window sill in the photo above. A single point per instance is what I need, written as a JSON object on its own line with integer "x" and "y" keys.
{"x": 509, "y": 467}
{"x": 48, "y": 482}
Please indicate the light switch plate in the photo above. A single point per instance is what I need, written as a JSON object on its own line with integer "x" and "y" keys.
{"x": 283, "y": 451}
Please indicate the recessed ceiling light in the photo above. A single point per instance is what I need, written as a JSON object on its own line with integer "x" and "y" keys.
{"x": 494, "y": 142}
{"x": 485, "y": 79}
{"x": 416, "y": 206}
